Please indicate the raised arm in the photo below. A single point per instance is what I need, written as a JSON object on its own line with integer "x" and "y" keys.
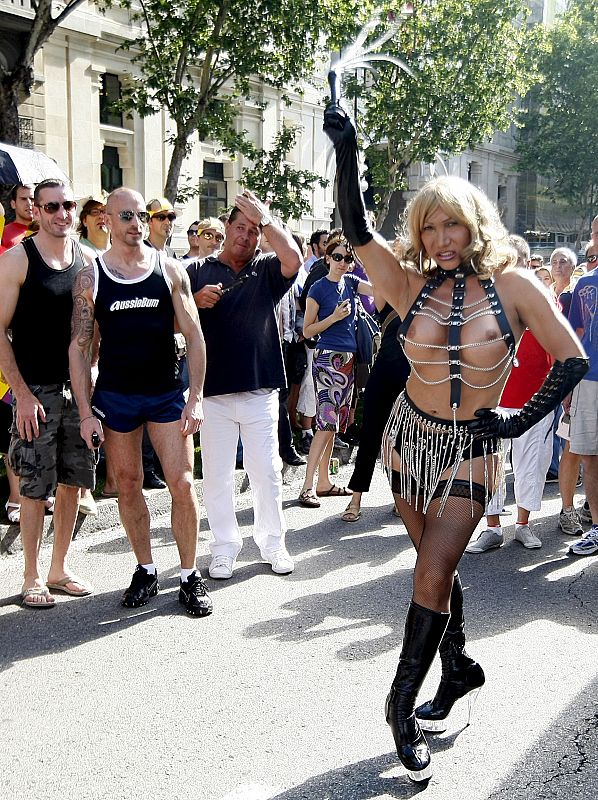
{"x": 187, "y": 320}
{"x": 80, "y": 352}
{"x": 279, "y": 238}
{"x": 383, "y": 269}
{"x": 13, "y": 271}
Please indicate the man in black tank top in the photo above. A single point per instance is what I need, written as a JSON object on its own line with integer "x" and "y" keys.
{"x": 36, "y": 280}
{"x": 136, "y": 295}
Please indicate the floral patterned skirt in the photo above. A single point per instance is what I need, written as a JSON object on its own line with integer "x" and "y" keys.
{"x": 333, "y": 381}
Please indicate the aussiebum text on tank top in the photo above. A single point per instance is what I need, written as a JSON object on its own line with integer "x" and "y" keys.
{"x": 41, "y": 324}
{"x": 136, "y": 321}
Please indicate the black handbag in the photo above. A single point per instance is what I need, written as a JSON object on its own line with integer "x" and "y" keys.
{"x": 367, "y": 334}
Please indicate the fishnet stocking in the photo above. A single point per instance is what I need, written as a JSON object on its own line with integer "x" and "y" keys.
{"x": 440, "y": 541}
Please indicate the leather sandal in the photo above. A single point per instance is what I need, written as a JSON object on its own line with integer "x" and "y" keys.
{"x": 352, "y": 513}
{"x": 308, "y": 499}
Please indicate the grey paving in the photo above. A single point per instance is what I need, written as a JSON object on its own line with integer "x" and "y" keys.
{"x": 279, "y": 695}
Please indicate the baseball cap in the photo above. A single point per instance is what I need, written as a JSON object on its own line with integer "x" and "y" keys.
{"x": 209, "y": 222}
{"x": 164, "y": 207}
{"x": 98, "y": 198}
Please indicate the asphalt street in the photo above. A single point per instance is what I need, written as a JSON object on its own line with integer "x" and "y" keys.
{"x": 279, "y": 695}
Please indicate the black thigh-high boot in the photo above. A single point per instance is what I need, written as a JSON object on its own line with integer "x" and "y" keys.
{"x": 423, "y": 631}
{"x": 460, "y": 673}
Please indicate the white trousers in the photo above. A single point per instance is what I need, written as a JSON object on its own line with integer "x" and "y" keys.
{"x": 306, "y": 402}
{"x": 253, "y": 415}
{"x": 530, "y": 458}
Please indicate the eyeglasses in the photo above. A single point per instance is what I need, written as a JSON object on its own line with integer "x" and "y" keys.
{"x": 52, "y": 208}
{"x": 591, "y": 259}
{"x": 163, "y": 217}
{"x": 338, "y": 257}
{"x": 209, "y": 236}
{"x": 127, "y": 216}
{"x": 95, "y": 212}
{"x": 192, "y": 232}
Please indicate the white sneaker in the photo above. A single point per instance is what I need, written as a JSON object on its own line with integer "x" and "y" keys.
{"x": 87, "y": 505}
{"x": 487, "y": 540}
{"x": 221, "y": 567}
{"x": 524, "y": 535}
{"x": 587, "y": 545}
{"x": 280, "y": 561}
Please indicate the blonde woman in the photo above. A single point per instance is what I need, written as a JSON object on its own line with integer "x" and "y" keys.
{"x": 464, "y": 307}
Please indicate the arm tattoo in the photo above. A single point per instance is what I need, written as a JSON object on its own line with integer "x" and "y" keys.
{"x": 83, "y": 309}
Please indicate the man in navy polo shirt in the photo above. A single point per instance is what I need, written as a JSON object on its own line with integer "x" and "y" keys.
{"x": 236, "y": 293}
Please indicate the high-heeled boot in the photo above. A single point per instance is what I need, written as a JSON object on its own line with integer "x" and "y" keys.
{"x": 460, "y": 673}
{"x": 423, "y": 631}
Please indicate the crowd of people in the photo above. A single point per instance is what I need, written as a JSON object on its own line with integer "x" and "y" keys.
{"x": 251, "y": 342}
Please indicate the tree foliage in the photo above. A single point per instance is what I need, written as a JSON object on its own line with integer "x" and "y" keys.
{"x": 470, "y": 59}
{"x": 16, "y": 79}
{"x": 559, "y": 139}
{"x": 273, "y": 177}
{"x": 198, "y": 59}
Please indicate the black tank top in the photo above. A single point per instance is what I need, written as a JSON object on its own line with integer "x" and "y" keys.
{"x": 41, "y": 325}
{"x": 136, "y": 321}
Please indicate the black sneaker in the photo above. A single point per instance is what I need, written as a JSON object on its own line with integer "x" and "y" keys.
{"x": 143, "y": 586}
{"x": 152, "y": 481}
{"x": 552, "y": 477}
{"x": 305, "y": 444}
{"x": 292, "y": 458}
{"x": 193, "y": 594}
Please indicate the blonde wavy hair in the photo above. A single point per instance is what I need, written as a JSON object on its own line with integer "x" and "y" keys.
{"x": 489, "y": 250}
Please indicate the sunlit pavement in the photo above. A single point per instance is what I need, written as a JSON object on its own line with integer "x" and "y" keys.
{"x": 280, "y": 693}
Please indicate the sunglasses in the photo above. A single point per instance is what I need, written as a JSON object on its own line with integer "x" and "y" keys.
{"x": 163, "y": 217}
{"x": 52, "y": 208}
{"x": 338, "y": 257}
{"x": 192, "y": 232}
{"x": 209, "y": 236}
{"x": 127, "y": 216}
{"x": 95, "y": 212}
{"x": 591, "y": 259}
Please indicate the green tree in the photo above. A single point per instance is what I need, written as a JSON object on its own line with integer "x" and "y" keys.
{"x": 470, "y": 59}
{"x": 559, "y": 139}
{"x": 200, "y": 58}
{"x": 16, "y": 74}
{"x": 272, "y": 176}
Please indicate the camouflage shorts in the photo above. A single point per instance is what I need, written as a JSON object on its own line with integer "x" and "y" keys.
{"x": 59, "y": 454}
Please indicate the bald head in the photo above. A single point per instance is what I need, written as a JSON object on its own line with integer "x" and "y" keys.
{"x": 595, "y": 230}
{"x": 123, "y": 195}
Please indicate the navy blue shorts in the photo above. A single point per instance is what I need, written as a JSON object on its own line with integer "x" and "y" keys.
{"x": 124, "y": 413}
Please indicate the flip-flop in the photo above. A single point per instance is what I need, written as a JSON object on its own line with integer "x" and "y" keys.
{"x": 335, "y": 491}
{"x": 308, "y": 499}
{"x": 13, "y": 512}
{"x": 82, "y": 588}
{"x": 37, "y": 591}
{"x": 108, "y": 495}
{"x": 352, "y": 513}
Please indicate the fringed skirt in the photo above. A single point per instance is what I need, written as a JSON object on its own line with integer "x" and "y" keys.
{"x": 333, "y": 380}
{"x": 432, "y": 450}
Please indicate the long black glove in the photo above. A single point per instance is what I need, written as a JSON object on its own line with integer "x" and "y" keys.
{"x": 561, "y": 379}
{"x": 339, "y": 129}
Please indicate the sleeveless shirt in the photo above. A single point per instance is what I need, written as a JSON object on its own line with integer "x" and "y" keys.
{"x": 41, "y": 324}
{"x": 136, "y": 322}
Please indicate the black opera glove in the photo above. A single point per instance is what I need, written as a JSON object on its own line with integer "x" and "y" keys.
{"x": 341, "y": 132}
{"x": 561, "y": 379}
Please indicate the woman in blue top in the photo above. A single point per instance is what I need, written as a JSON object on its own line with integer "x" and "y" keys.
{"x": 330, "y": 314}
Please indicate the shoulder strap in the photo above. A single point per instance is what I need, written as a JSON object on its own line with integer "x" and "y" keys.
{"x": 499, "y": 312}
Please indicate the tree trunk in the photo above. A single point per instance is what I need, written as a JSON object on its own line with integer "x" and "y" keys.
{"x": 9, "y": 108}
{"x": 174, "y": 168}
